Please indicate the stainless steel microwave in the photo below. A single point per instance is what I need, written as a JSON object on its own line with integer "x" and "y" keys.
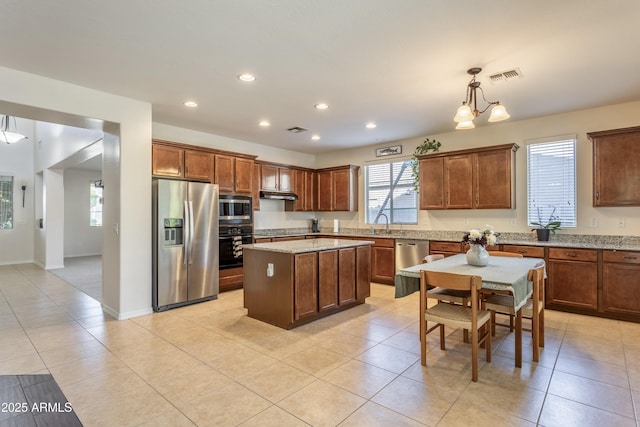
{"x": 235, "y": 209}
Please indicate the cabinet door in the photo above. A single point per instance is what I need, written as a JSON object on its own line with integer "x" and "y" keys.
{"x": 256, "y": 186}
{"x": 341, "y": 190}
{"x": 363, "y": 272}
{"x": 573, "y": 284}
{"x": 383, "y": 264}
{"x": 621, "y": 288}
{"x": 167, "y": 161}
{"x": 224, "y": 172}
{"x": 432, "y": 183}
{"x": 325, "y": 191}
{"x": 347, "y": 275}
{"x": 299, "y": 185}
{"x": 243, "y": 175}
{"x": 616, "y": 167}
{"x": 305, "y": 285}
{"x": 458, "y": 180}
{"x": 492, "y": 180}
{"x": 269, "y": 178}
{"x": 311, "y": 179}
{"x": 197, "y": 165}
{"x": 285, "y": 179}
{"x": 327, "y": 280}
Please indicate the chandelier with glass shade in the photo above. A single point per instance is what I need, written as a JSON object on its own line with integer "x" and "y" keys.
{"x": 9, "y": 134}
{"x": 469, "y": 108}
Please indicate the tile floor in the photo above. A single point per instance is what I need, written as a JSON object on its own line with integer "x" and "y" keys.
{"x": 211, "y": 365}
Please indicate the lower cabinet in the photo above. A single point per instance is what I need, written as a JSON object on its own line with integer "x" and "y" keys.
{"x": 346, "y": 276}
{"x": 305, "y": 281}
{"x": 621, "y": 282}
{"x": 444, "y": 248}
{"x": 383, "y": 261}
{"x": 327, "y": 280}
{"x": 572, "y": 278}
{"x": 230, "y": 278}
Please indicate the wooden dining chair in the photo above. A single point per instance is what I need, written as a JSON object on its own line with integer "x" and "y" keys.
{"x": 501, "y": 298}
{"x": 533, "y": 309}
{"x": 448, "y": 295}
{"x": 456, "y": 316}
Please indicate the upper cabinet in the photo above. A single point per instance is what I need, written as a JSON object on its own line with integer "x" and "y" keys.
{"x": 233, "y": 174}
{"x": 175, "y": 162}
{"x": 275, "y": 178}
{"x": 616, "y": 167}
{"x": 338, "y": 189}
{"x": 481, "y": 178}
{"x": 304, "y": 185}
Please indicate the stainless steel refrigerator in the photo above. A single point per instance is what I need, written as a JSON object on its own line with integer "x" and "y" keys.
{"x": 185, "y": 243}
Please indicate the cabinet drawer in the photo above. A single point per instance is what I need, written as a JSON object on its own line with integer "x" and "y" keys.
{"x": 621, "y": 256}
{"x": 528, "y": 251}
{"x": 445, "y": 247}
{"x": 262, "y": 239}
{"x": 573, "y": 254}
{"x": 386, "y": 243}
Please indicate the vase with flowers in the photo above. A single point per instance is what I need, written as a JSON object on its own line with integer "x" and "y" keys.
{"x": 478, "y": 239}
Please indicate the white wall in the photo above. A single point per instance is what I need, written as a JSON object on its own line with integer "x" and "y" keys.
{"x": 80, "y": 238}
{"x": 126, "y": 174}
{"x": 578, "y": 122}
{"x": 16, "y": 245}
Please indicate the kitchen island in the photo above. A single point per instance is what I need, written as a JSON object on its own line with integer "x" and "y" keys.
{"x": 291, "y": 283}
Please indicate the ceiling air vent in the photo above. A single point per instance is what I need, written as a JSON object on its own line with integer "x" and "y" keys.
{"x": 504, "y": 76}
{"x": 297, "y": 129}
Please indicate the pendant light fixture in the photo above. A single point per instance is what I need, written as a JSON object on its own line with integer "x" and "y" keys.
{"x": 465, "y": 114}
{"x": 6, "y": 134}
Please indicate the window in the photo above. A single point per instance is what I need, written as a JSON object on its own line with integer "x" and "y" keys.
{"x": 389, "y": 190}
{"x": 6, "y": 202}
{"x": 551, "y": 181}
{"x": 95, "y": 204}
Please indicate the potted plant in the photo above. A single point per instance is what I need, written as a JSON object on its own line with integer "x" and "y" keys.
{"x": 427, "y": 146}
{"x": 545, "y": 228}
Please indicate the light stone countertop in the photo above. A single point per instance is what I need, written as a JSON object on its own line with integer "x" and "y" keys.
{"x": 621, "y": 243}
{"x": 307, "y": 245}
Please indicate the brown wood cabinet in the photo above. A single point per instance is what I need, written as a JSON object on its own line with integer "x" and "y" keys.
{"x": 621, "y": 282}
{"x": 327, "y": 280}
{"x": 230, "y": 278}
{"x": 338, "y": 189}
{"x": 346, "y": 276}
{"x": 445, "y": 248}
{"x": 616, "y": 167}
{"x": 363, "y": 272}
{"x": 173, "y": 162}
{"x": 527, "y": 251}
{"x": 255, "y": 190}
{"x": 275, "y": 178}
{"x": 481, "y": 178}
{"x": 572, "y": 278}
{"x": 304, "y": 185}
{"x": 233, "y": 175}
{"x": 305, "y": 281}
{"x": 383, "y": 261}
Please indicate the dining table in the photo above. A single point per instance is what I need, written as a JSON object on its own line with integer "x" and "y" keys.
{"x": 501, "y": 274}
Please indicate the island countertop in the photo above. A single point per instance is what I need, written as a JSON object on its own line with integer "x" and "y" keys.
{"x": 307, "y": 245}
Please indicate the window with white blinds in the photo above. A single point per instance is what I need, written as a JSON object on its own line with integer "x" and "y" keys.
{"x": 551, "y": 181}
{"x": 6, "y": 202}
{"x": 389, "y": 190}
{"x": 95, "y": 205}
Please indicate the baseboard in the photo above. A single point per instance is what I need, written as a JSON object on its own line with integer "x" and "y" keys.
{"x": 30, "y": 261}
{"x": 126, "y": 315}
{"x": 53, "y": 267}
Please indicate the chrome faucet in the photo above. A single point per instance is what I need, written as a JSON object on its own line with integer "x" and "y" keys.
{"x": 387, "y": 220}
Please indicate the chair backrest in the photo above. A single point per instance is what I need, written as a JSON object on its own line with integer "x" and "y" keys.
{"x": 461, "y": 282}
{"x": 431, "y": 258}
{"x": 507, "y": 254}
{"x": 536, "y": 275}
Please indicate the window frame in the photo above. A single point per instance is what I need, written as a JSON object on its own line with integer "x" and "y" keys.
{"x": 92, "y": 207}
{"x": 7, "y": 184}
{"x": 387, "y": 206}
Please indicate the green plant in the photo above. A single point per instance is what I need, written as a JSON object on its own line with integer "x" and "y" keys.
{"x": 427, "y": 146}
{"x": 552, "y": 224}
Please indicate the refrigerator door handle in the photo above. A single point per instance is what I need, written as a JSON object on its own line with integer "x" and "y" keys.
{"x": 191, "y": 230}
{"x": 187, "y": 234}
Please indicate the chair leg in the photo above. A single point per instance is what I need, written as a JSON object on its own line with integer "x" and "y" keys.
{"x": 510, "y": 323}
{"x": 493, "y": 323}
{"x": 535, "y": 336}
{"x": 474, "y": 355}
{"x": 519, "y": 339}
{"x": 541, "y": 327}
{"x": 442, "y": 345}
{"x": 423, "y": 341}
{"x": 487, "y": 344}
{"x": 465, "y": 336}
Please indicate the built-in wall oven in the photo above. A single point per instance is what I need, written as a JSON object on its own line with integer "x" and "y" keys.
{"x": 236, "y": 229}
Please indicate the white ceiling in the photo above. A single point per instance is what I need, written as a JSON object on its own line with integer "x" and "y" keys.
{"x": 400, "y": 63}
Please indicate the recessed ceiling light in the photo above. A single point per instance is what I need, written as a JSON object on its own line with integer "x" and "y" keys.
{"x": 190, "y": 104}
{"x": 315, "y": 137}
{"x": 246, "y": 77}
{"x": 370, "y": 125}
{"x": 264, "y": 123}
{"x": 321, "y": 106}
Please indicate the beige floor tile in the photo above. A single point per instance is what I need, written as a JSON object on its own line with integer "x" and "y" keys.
{"x": 368, "y": 331}
{"x": 274, "y": 417}
{"x": 345, "y": 344}
{"x": 316, "y": 361}
{"x": 322, "y": 404}
{"x": 568, "y": 413}
{"x": 277, "y": 381}
{"x": 374, "y": 415}
{"x": 593, "y": 393}
{"x": 16, "y": 349}
{"x": 406, "y": 340}
{"x": 210, "y": 350}
{"x": 87, "y": 367}
{"x": 593, "y": 369}
{"x": 125, "y": 409}
{"x": 502, "y": 371}
{"x": 360, "y": 378}
{"x": 389, "y": 358}
{"x": 154, "y": 366}
{"x": 61, "y": 355}
{"x": 172, "y": 418}
{"x": 463, "y": 411}
{"x": 243, "y": 363}
{"x": 416, "y": 400}
{"x": 24, "y": 364}
{"x": 225, "y": 406}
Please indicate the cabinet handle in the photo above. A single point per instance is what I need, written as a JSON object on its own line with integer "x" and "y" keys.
{"x": 572, "y": 255}
{"x": 631, "y": 257}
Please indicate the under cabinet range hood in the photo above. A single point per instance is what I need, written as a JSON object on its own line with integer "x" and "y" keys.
{"x": 278, "y": 195}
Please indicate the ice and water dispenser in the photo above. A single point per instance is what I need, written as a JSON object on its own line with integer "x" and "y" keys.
{"x": 173, "y": 231}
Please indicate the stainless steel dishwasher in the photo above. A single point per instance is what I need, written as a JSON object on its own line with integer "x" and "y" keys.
{"x": 410, "y": 252}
